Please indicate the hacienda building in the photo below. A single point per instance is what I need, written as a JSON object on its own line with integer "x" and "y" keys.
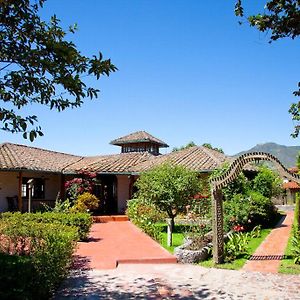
{"x": 116, "y": 173}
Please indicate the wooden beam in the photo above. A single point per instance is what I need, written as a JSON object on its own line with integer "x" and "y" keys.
{"x": 20, "y": 201}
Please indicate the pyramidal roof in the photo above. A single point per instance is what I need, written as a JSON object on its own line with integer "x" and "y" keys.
{"x": 138, "y": 137}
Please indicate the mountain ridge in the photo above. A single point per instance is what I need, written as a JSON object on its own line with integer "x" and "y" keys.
{"x": 286, "y": 154}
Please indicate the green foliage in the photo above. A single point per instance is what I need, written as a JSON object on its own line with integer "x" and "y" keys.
{"x": 280, "y": 18}
{"x": 81, "y": 221}
{"x": 40, "y": 65}
{"x": 61, "y": 206}
{"x": 237, "y": 245}
{"x": 296, "y": 233}
{"x": 85, "y": 203}
{"x": 248, "y": 202}
{"x": 46, "y": 250}
{"x": 144, "y": 215}
{"x": 240, "y": 185}
{"x": 209, "y": 146}
{"x": 296, "y": 246}
{"x": 248, "y": 211}
{"x": 169, "y": 187}
{"x": 267, "y": 183}
{"x": 236, "y": 212}
{"x": 188, "y": 145}
{"x": 297, "y": 213}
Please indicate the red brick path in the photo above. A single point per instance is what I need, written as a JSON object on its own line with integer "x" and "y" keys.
{"x": 268, "y": 255}
{"x": 113, "y": 243}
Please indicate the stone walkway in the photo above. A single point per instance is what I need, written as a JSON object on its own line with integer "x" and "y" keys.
{"x": 171, "y": 281}
{"x": 268, "y": 255}
{"x": 114, "y": 243}
{"x": 177, "y": 281}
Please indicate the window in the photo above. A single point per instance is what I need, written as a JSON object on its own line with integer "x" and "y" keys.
{"x": 38, "y": 189}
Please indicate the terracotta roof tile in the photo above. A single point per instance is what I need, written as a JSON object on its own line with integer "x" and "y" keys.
{"x": 292, "y": 185}
{"x": 138, "y": 137}
{"x": 117, "y": 163}
{"x": 294, "y": 169}
{"x": 20, "y": 157}
{"x": 197, "y": 158}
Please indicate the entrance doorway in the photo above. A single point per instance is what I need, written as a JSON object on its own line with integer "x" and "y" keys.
{"x": 106, "y": 191}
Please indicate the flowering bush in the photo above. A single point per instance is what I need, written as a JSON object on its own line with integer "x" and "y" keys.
{"x": 145, "y": 214}
{"x": 80, "y": 185}
{"x": 85, "y": 202}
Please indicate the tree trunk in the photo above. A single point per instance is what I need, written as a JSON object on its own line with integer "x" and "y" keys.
{"x": 172, "y": 223}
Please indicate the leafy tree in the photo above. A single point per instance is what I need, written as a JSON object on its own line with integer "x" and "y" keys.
{"x": 188, "y": 145}
{"x": 209, "y": 146}
{"x": 192, "y": 144}
{"x": 169, "y": 187}
{"x": 281, "y": 18}
{"x": 38, "y": 65}
{"x": 267, "y": 183}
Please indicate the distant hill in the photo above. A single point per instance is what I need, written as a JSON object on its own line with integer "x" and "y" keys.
{"x": 286, "y": 154}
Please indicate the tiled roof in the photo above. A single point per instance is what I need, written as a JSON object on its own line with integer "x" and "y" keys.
{"x": 138, "y": 137}
{"x": 117, "y": 163}
{"x": 20, "y": 157}
{"x": 292, "y": 185}
{"x": 294, "y": 169}
{"x": 197, "y": 158}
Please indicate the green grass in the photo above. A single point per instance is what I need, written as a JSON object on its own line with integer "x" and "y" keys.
{"x": 287, "y": 265}
{"x": 239, "y": 262}
{"x": 177, "y": 240}
{"x": 177, "y": 236}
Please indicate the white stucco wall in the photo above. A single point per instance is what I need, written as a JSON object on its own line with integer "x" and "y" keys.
{"x": 9, "y": 185}
{"x": 123, "y": 192}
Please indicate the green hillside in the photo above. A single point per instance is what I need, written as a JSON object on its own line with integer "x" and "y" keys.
{"x": 286, "y": 154}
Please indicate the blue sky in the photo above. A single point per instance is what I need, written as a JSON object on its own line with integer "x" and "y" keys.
{"x": 187, "y": 72}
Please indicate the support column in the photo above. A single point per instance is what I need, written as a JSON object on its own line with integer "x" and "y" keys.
{"x": 218, "y": 232}
{"x": 20, "y": 201}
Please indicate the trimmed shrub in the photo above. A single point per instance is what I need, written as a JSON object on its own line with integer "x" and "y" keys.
{"x": 82, "y": 221}
{"x": 35, "y": 257}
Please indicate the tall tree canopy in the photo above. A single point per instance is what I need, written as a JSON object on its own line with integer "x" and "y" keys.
{"x": 281, "y": 18}
{"x": 39, "y": 66}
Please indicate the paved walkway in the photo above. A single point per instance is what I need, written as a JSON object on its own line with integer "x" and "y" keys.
{"x": 177, "y": 281}
{"x": 171, "y": 281}
{"x": 114, "y": 243}
{"x": 268, "y": 255}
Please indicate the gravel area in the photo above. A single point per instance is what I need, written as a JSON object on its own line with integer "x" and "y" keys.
{"x": 177, "y": 281}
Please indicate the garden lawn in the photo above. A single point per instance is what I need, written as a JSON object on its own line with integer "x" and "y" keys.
{"x": 287, "y": 265}
{"x": 177, "y": 241}
{"x": 239, "y": 262}
{"x": 177, "y": 236}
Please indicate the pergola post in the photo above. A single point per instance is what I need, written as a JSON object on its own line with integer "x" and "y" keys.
{"x": 218, "y": 232}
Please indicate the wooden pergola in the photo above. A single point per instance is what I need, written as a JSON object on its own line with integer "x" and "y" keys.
{"x": 231, "y": 174}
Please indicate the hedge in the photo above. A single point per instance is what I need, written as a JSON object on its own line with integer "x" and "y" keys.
{"x": 82, "y": 221}
{"x": 34, "y": 256}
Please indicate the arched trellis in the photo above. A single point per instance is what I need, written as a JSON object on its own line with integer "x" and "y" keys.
{"x": 219, "y": 182}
